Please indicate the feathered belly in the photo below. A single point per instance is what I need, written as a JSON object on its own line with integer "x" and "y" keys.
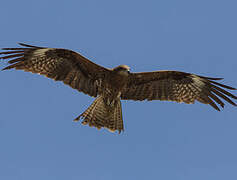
{"x": 111, "y": 93}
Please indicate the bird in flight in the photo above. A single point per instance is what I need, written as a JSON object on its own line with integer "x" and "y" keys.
{"x": 109, "y": 86}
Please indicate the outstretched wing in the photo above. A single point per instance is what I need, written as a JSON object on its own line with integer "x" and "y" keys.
{"x": 177, "y": 86}
{"x": 58, "y": 64}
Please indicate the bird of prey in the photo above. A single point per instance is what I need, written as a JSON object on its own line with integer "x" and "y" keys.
{"x": 109, "y": 86}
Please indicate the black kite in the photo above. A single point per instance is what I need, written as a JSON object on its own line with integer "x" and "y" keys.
{"x": 111, "y": 85}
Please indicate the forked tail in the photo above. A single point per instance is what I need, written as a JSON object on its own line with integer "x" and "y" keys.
{"x": 99, "y": 115}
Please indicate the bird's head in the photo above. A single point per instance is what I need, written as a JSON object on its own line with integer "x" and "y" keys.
{"x": 122, "y": 69}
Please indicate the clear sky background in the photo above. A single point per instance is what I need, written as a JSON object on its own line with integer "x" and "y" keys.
{"x": 162, "y": 140}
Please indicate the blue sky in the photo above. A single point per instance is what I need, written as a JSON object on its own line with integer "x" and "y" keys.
{"x": 162, "y": 140}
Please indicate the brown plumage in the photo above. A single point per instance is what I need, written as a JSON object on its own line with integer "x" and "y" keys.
{"x": 111, "y": 85}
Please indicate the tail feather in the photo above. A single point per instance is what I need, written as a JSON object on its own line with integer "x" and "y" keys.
{"x": 99, "y": 115}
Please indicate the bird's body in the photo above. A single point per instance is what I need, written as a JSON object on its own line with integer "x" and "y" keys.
{"x": 106, "y": 110}
{"x": 109, "y": 86}
{"x": 116, "y": 82}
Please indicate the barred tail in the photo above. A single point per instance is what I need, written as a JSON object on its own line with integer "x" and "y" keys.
{"x": 99, "y": 115}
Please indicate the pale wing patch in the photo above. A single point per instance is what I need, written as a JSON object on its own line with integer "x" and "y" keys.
{"x": 41, "y": 52}
{"x": 198, "y": 81}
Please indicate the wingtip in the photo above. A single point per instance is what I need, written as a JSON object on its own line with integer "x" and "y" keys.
{"x": 77, "y": 119}
{"x": 23, "y": 44}
{"x": 30, "y": 46}
{"x": 211, "y": 78}
{"x": 6, "y": 68}
{"x": 234, "y": 104}
{"x": 217, "y": 79}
